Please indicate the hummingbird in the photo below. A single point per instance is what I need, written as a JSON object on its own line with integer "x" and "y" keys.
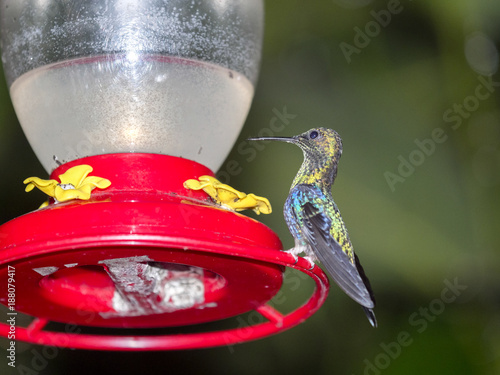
{"x": 314, "y": 220}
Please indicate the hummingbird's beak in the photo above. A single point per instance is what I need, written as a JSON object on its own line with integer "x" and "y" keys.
{"x": 281, "y": 139}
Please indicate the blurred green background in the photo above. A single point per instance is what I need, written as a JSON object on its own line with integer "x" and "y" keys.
{"x": 417, "y": 228}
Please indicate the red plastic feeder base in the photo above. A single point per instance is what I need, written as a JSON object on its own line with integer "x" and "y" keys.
{"x": 144, "y": 253}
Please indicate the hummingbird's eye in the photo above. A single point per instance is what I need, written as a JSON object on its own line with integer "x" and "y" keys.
{"x": 313, "y": 134}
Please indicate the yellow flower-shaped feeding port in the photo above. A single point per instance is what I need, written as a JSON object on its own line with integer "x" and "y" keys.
{"x": 228, "y": 197}
{"x": 74, "y": 184}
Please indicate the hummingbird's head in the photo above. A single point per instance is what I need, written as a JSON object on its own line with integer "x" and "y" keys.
{"x": 322, "y": 150}
{"x": 320, "y": 141}
{"x": 316, "y": 143}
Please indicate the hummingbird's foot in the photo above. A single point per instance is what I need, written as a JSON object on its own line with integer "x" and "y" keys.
{"x": 297, "y": 249}
{"x": 311, "y": 262}
{"x": 292, "y": 253}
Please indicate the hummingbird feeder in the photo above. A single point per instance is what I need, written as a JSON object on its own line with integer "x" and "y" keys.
{"x": 131, "y": 106}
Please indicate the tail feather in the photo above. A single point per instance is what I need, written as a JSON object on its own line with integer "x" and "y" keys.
{"x": 371, "y": 316}
{"x": 369, "y": 312}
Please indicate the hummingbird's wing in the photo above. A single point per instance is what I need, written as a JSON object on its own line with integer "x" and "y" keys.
{"x": 315, "y": 227}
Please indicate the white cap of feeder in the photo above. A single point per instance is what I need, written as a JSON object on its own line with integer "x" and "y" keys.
{"x": 170, "y": 77}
